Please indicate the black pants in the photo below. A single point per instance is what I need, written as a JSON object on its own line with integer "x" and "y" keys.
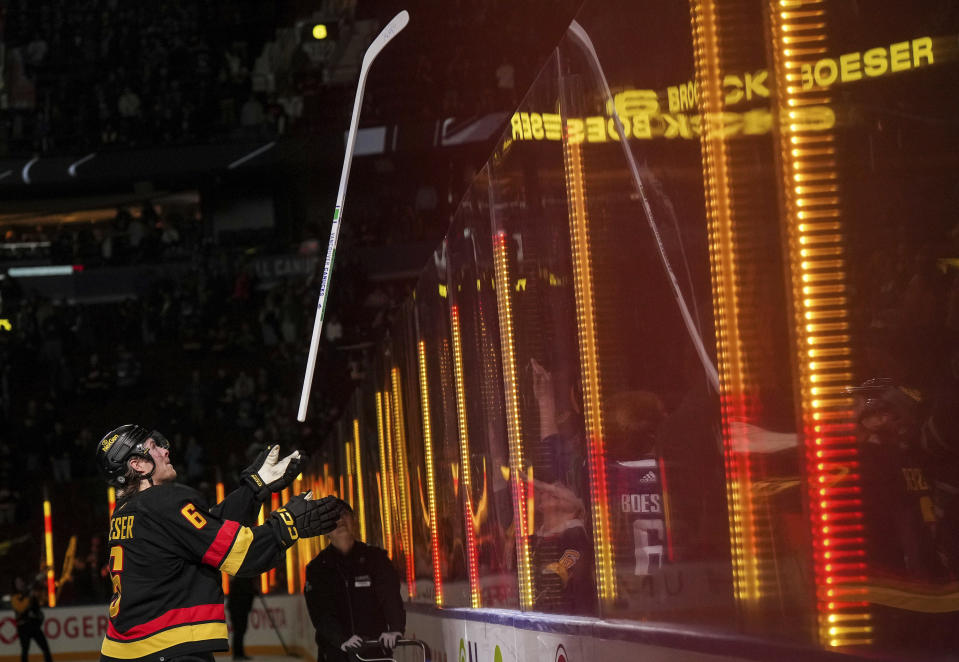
{"x": 32, "y": 631}
{"x": 239, "y": 607}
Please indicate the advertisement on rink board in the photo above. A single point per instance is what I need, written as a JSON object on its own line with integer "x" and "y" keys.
{"x": 76, "y": 632}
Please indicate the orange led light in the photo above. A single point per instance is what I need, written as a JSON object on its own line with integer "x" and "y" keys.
{"x": 264, "y": 579}
{"x": 813, "y": 217}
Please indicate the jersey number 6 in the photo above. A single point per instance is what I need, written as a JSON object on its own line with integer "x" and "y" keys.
{"x": 192, "y": 516}
{"x": 116, "y": 566}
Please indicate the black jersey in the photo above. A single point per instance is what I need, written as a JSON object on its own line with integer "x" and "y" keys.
{"x": 166, "y": 554}
{"x": 639, "y": 515}
{"x": 563, "y": 565}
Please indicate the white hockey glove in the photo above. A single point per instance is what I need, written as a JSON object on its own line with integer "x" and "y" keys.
{"x": 270, "y": 473}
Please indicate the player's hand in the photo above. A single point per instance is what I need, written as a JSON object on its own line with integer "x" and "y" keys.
{"x": 270, "y": 473}
{"x": 542, "y": 382}
{"x": 389, "y": 639}
{"x": 353, "y": 642}
{"x": 304, "y": 517}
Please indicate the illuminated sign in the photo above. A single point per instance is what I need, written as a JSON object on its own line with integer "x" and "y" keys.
{"x": 872, "y": 63}
{"x": 644, "y": 117}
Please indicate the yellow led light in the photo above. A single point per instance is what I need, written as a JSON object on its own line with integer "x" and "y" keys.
{"x": 385, "y": 511}
{"x": 513, "y": 421}
{"x": 430, "y": 474}
{"x": 361, "y": 493}
{"x": 403, "y": 487}
{"x": 813, "y": 223}
{"x": 583, "y": 288}
{"x": 465, "y": 475}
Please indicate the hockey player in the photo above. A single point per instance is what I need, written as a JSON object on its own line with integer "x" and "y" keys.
{"x": 167, "y": 548}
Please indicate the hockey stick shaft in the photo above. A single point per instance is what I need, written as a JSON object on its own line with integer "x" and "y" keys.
{"x": 269, "y": 615}
{"x": 391, "y": 30}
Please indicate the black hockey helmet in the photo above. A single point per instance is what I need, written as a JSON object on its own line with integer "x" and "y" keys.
{"x": 119, "y": 445}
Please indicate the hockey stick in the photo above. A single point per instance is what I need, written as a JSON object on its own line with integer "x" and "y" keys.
{"x": 392, "y": 29}
{"x": 273, "y": 625}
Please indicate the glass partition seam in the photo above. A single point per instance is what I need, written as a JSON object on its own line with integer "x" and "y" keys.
{"x": 590, "y": 367}
{"x": 465, "y": 470}
{"x": 361, "y": 496}
{"x": 403, "y": 483}
{"x": 381, "y": 478}
{"x": 725, "y": 280}
{"x": 430, "y": 475}
{"x": 513, "y": 419}
{"x": 812, "y": 216}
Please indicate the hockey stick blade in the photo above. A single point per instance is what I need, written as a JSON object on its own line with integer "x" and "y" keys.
{"x": 393, "y": 28}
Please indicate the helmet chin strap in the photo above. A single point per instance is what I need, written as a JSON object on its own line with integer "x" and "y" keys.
{"x": 149, "y": 476}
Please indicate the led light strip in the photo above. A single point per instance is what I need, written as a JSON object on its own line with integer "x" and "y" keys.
{"x": 430, "y": 475}
{"x": 381, "y": 478}
{"x": 817, "y": 266}
{"x": 361, "y": 496}
{"x": 513, "y": 420}
{"x": 348, "y": 456}
{"x": 389, "y": 476}
{"x": 403, "y": 485}
{"x": 476, "y": 599}
{"x": 48, "y": 548}
{"x": 264, "y": 578}
{"x": 589, "y": 365}
{"x": 743, "y": 529}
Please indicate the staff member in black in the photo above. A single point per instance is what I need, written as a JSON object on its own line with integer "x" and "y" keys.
{"x": 353, "y": 594}
{"x": 26, "y": 606}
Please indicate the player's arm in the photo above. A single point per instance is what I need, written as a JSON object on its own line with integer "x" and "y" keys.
{"x": 239, "y": 505}
{"x": 240, "y": 550}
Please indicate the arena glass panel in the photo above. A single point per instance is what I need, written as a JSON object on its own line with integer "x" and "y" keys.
{"x": 485, "y": 466}
{"x": 660, "y": 438}
{"x": 886, "y": 77}
{"x": 437, "y": 374}
{"x": 534, "y": 282}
